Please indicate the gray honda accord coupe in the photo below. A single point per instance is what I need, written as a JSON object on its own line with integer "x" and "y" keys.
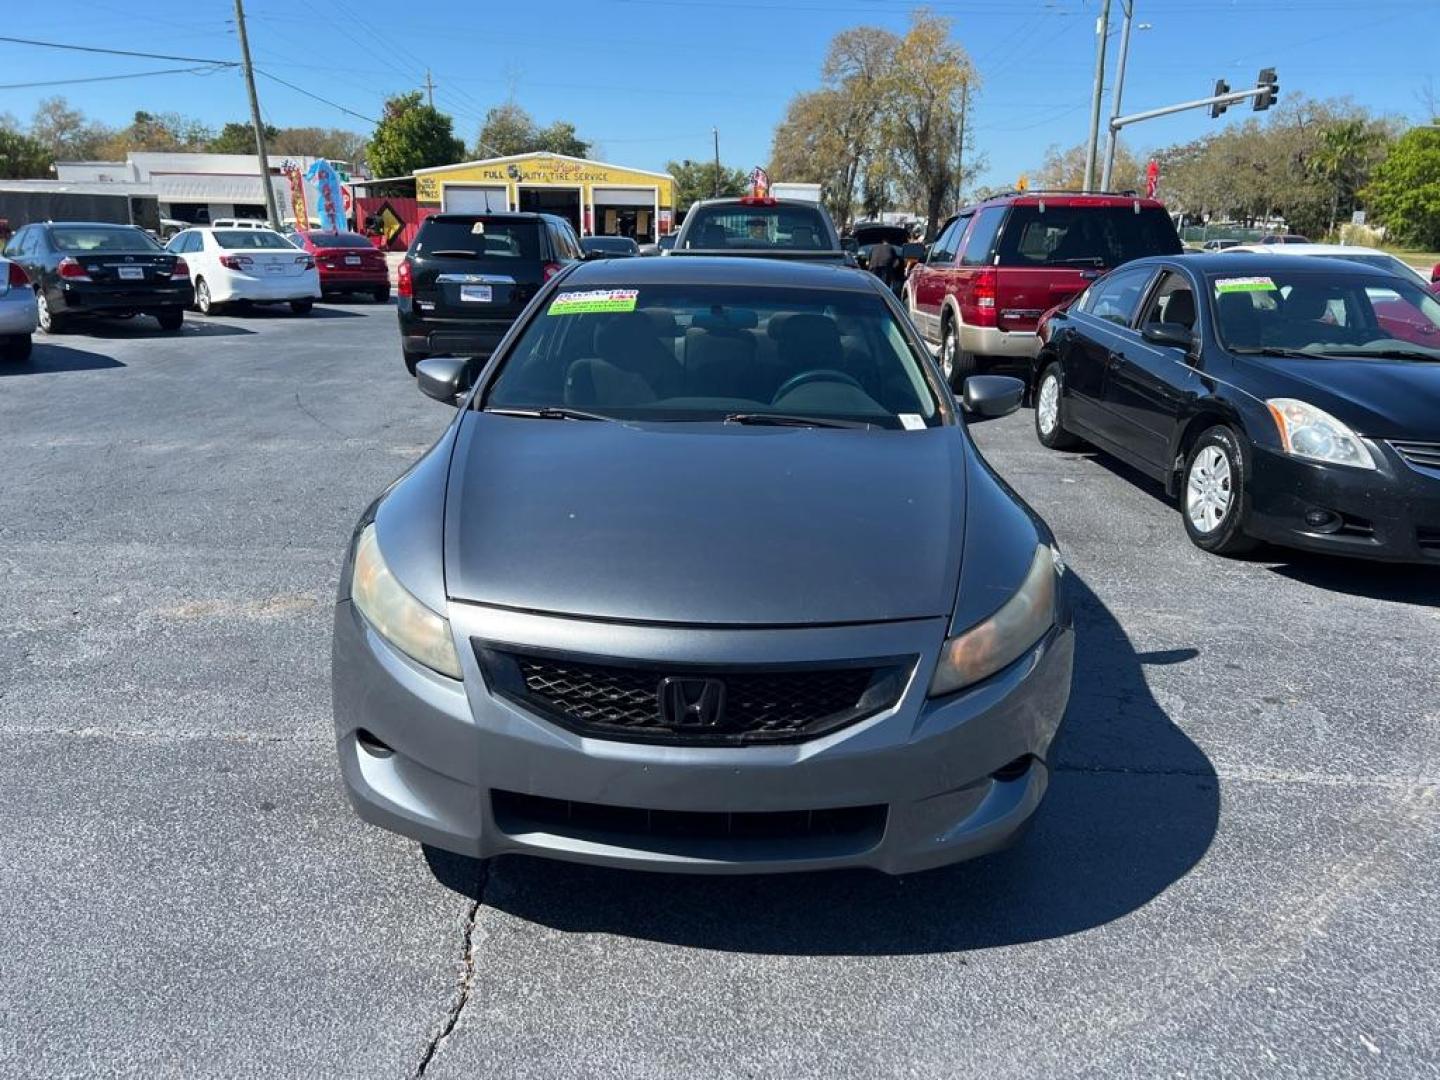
{"x": 706, "y": 575}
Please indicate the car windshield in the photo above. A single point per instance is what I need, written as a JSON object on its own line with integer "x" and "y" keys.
{"x": 688, "y": 352}
{"x": 1326, "y": 313}
{"x": 80, "y": 239}
{"x": 338, "y": 240}
{"x": 734, "y": 225}
{"x": 1080, "y": 235}
{"x": 251, "y": 239}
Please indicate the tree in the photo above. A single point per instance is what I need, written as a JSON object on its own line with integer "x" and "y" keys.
{"x": 508, "y": 129}
{"x": 22, "y": 157}
{"x": 167, "y": 131}
{"x": 1064, "y": 170}
{"x": 66, "y": 133}
{"x": 560, "y": 138}
{"x": 411, "y": 136}
{"x": 336, "y": 144}
{"x": 239, "y": 138}
{"x": 1404, "y": 192}
{"x": 695, "y": 180}
{"x": 1347, "y": 151}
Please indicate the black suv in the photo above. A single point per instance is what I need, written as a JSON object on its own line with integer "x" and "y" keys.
{"x": 86, "y": 269}
{"x": 757, "y": 225}
{"x": 467, "y": 276}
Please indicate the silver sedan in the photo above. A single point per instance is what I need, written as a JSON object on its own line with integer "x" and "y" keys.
{"x": 17, "y": 312}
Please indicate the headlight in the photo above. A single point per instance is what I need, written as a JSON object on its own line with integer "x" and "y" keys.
{"x": 1008, "y": 634}
{"x": 397, "y": 616}
{"x": 1307, "y": 432}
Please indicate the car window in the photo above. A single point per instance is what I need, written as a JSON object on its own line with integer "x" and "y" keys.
{"x": 497, "y": 238}
{"x": 1085, "y": 235}
{"x": 1173, "y": 301}
{"x": 1116, "y": 297}
{"x": 799, "y": 352}
{"x": 980, "y": 244}
{"x": 251, "y": 240}
{"x": 16, "y": 246}
{"x": 79, "y": 239}
{"x": 746, "y": 227}
{"x": 942, "y": 251}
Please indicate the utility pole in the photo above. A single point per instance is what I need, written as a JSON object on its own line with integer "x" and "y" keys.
{"x": 716, "y": 132}
{"x": 260, "y": 151}
{"x": 960, "y": 142}
{"x": 1102, "y": 31}
{"x": 429, "y": 88}
{"x": 1129, "y": 6}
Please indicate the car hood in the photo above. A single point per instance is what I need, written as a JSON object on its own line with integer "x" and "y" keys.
{"x": 1383, "y": 398}
{"x": 705, "y": 524}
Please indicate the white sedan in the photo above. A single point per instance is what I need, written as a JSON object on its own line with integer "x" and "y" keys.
{"x": 1351, "y": 252}
{"x": 256, "y": 265}
{"x": 17, "y": 312}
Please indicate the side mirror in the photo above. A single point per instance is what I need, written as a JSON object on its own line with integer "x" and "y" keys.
{"x": 443, "y": 378}
{"x": 1175, "y": 335}
{"x": 992, "y": 395}
{"x": 913, "y": 251}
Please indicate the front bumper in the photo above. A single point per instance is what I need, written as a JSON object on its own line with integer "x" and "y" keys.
{"x": 1391, "y": 513}
{"x": 78, "y": 298}
{"x": 991, "y": 341}
{"x": 946, "y": 780}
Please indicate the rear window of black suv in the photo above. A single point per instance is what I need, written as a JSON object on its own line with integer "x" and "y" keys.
{"x": 493, "y": 238}
{"x": 1081, "y": 235}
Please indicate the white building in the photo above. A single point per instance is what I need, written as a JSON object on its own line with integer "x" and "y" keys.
{"x": 195, "y": 188}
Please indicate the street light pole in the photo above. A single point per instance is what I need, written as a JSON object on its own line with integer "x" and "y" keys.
{"x": 1113, "y": 137}
{"x": 716, "y": 132}
{"x": 1102, "y": 30}
{"x": 260, "y": 151}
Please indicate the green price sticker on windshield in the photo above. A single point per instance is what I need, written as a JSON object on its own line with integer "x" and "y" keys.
{"x": 1243, "y": 284}
{"x": 594, "y": 302}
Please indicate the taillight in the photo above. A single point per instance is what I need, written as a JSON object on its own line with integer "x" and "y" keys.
{"x": 550, "y": 269}
{"x": 306, "y": 262}
{"x": 181, "y": 269}
{"x": 71, "y": 270}
{"x": 404, "y": 284}
{"x": 236, "y": 262}
{"x": 987, "y": 288}
{"x": 18, "y": 278}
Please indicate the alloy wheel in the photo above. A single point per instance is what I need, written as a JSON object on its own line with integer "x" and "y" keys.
{"x": 1047, "y": 405}
{"x": 202, "y": 297}
{"x": 947, "y": 355}
{"x": 1208, "y": 489}
{"x": 42, "y": 310}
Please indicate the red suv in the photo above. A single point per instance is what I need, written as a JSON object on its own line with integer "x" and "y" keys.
{"x": 348, "y": 262}
{"x": 997, "y": 266}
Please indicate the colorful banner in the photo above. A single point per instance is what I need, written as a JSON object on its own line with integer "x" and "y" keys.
{"x": 291, "y": 171}
{"x": 329, "y": 198}
{"x": 759, "y": 183}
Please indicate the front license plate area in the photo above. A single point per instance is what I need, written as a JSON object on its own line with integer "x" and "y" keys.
{"x": 476, "y": 294}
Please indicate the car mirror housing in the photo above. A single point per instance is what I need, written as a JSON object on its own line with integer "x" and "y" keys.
{"x": 992, "y": 395}
{"x": 1176, "y": 335}
{"x": 443, "y": 378}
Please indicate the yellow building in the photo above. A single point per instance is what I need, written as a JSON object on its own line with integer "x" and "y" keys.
{"x": 599, "y": 199}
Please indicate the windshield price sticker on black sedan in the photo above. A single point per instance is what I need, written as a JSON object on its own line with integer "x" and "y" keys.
{"x": 1243, "y": 284}
{"x": 597, "y": 300}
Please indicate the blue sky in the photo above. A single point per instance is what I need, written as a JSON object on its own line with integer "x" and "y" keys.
{"x": 647, "y": 79}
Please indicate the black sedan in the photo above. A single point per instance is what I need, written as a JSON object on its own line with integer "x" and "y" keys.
{"x": 84, "y": 269}
{"x": 1288, "y": 399}
{"x": 609, "y": 247}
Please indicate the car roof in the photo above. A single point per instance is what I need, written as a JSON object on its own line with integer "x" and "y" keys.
{"x": 1245, "y": 263}
{"x": 1312, "y": 249}
{"x": 475, "y": 215}
{"x": 1068, "y": 198}
{"x": 90, "y": 224}
{"x": 722, "y": 270}
{"x": 752, "y": 203}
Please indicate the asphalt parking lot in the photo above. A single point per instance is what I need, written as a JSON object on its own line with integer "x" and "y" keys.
{"x": 1237, "y": 871}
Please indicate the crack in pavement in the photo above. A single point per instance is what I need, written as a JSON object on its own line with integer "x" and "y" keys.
{"x": 467, "y": 974}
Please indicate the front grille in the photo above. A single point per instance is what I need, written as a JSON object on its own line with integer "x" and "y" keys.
{"x": 1423, "y": 455}
{"x": 742, "y": 834}
{"x": 711, "y": 706}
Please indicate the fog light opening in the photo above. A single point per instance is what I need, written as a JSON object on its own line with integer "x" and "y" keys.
{"x": 1320, "y": 520}
{"x": 371, "y": 744}
{"x": 1014, "y": 770}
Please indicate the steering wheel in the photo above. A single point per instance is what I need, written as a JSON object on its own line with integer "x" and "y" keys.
{"x": 805, "y": 378}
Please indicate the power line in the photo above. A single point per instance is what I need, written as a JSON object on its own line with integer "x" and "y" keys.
{"x": 119, "y": 52}
{"x": 317, "y": 97}
{"x": 211, "y": 69}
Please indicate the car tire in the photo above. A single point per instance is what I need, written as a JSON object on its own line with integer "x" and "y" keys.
{"x": 50, "y": 322}
{"x": 301, "y": 307}
{"x": 203, "y": 303}
{"x": 1050, "y": 411}
{"x": 17, "y": 349}
{"x": 956, "y": 364}
{"x": 413, "y": 358}
{"x": 1213, "y": 493}
{"x": 171, "y": 318}
{"x": 382, "y": 294}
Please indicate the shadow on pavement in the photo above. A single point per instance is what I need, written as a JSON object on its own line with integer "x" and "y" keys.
{"x": 141, "y": 328}
{"x": 1132, "y": 807}
{"x": 1398, "y": 583}
{"x": 283, "y": 312}
{"x": 48, "y": 359}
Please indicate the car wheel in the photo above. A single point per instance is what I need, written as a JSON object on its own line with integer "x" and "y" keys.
{"x": 382, "y": 294}
{"x": 1212, "y": 496}
{"x": 1049, "y": 417}
{"x": 957, "y": 364}
{"x": 301, "y": 307}
{"x": 171, "y": 318}
{"x": 50, "y": 322}
{"x": 203, "y": 303}
{"x": 16, "y": 350}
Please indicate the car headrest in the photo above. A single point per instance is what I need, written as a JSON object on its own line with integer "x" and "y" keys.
{"x": 802, "y": 236}
{"x": 712, "y": 236}
{"x": 1307, "y": 304}
{"x": 662, "y": 321}
{"x": 1180, "y": 308}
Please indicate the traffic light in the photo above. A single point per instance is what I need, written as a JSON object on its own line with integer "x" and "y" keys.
{"x": 1271, "y": 88}
{"x": 1221, "y": 87}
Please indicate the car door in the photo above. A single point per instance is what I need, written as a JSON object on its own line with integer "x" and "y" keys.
{"x": 1149, "y": 389}
{"x": 1102, "y": 319}
{"x": 929, "y": 287}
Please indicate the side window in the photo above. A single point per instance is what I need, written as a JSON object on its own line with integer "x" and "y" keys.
{"x": 572, "y": 242}
{"x": 1116, "y": 298}
{"x": 943, "y": 249}
{"x": 1172, "y": 302}
{"x": 16, "y": 246}
{"x": 980, "y": 246}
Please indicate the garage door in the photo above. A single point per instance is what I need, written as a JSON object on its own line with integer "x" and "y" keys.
{"x": 473, "y": 198}
{"x": 618, "y": 196}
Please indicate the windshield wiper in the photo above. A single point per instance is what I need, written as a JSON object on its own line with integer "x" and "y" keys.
{"x": 550, "y": 412}
{"x": 455, "y": 253}
{"x": 789, "y": 420}
{"x": 1390, "y": 354}
{"x": 1275, "y": 350}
